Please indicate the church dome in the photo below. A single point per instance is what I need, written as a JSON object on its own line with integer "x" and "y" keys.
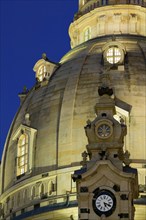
{"x": 47, "y": 136}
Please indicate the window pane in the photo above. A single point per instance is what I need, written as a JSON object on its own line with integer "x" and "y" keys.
{"x": 117, "y": 59}
{"x": 22, "y": 170}
{"x": 110, "y": 52}
{"x": 21, "y": 161}
{"x": 41, "y": 73}
{"x": 117, "y": 52}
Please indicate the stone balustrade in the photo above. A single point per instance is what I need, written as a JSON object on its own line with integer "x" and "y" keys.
{"x": 90, "y": 5}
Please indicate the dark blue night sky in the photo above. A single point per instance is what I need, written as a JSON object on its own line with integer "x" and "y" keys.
{"x": 28, "y": 28}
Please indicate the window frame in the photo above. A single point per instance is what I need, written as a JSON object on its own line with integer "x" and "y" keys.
{"x": 41, "y": 73}
{"x": 22, "y": 154}
{"x": 113, "y": 55}
{"x": 28, "y": 153}
{"x": 115, "y": 45}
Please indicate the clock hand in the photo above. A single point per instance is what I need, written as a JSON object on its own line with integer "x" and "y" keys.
{"x": 106, "y": 204}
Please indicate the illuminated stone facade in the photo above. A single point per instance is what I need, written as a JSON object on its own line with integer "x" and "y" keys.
{"x": 112, "y": 19}
{"x": 54, "y": 112}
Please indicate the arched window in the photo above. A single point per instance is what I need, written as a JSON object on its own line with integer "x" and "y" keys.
{"x": 51, "y": 187}
{"x": 87, "y": 34}
{"x": 41, "y": 73}
{"x": 22, "y": 154}
{"x": 24, "y": 138}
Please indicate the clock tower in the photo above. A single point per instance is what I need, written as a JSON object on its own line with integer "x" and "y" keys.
{"x": 106, "y": 184}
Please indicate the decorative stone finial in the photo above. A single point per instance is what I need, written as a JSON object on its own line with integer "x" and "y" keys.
{"x": 104, "y": 155}
{"x": 105, "y": 91}
{"x": 126, "y": 159}
{"x": 84, "y": 162}
{"x": 44, "y": 56}
{"x": 124, "y": 156}
{"x": 25, "y": 90}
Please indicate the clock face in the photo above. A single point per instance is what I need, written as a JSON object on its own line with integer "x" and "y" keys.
{"x": 104, "y": 202}
{"x": 104, "y": 130}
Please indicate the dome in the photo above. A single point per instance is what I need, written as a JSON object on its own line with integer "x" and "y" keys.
{"x": 58, "y": 111}
{"x": 47, "y": 137}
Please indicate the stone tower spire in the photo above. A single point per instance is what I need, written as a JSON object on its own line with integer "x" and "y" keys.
{"x": 117, "y": 17}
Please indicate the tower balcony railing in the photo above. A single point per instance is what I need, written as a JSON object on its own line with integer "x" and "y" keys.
{"x": 91, "y": 5}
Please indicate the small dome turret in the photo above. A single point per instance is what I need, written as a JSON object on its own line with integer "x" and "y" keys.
{"x": 44, "y": 68}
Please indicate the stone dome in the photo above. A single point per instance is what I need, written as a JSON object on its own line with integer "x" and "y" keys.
{"x": 52, "y": 115}
{"x": 58, "y": 111}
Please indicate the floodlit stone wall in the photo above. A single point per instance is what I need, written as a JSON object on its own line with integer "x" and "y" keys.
{"x": 118, "y": 19}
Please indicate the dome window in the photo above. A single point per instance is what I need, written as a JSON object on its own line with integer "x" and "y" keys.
{"x": 24, "y": 138}
{"x": 113, "y": 55}
{"x": 41, "y": 73}
{"x": 22, "y": 154}
{"x": 44, "y": 68}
